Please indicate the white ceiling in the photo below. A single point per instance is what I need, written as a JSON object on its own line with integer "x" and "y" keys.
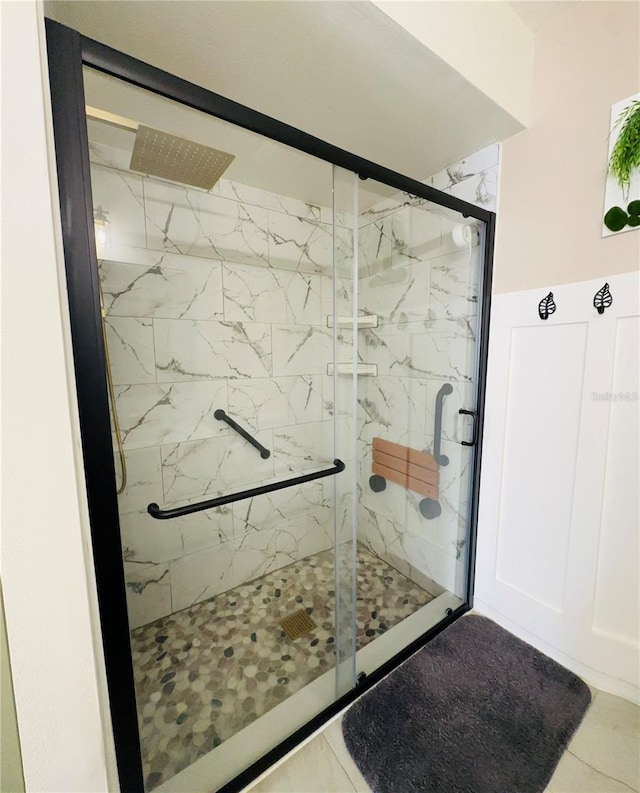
{"x": 342, "y": 71}
{"x": 536, "y": 14}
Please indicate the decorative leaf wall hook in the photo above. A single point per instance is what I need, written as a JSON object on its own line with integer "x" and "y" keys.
{"x": 602, "y": 299}
{"x": 546, "y": 306}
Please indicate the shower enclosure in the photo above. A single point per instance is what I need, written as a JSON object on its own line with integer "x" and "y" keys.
{"x": 280, "y": 353}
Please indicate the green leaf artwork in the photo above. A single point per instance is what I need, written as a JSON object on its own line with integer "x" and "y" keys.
{"x": 624, "y": 166}
{"x": 625, "y": 155}
{"x": 616, "y": 219}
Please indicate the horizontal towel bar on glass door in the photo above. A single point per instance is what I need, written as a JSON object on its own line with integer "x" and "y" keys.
{"x": 177, "y": 512}
{"x": 222, "y": 416}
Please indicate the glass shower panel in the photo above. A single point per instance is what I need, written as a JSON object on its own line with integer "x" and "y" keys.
{"x": 344, "y": 377}
{"x": 224, "y": 310}
{"x": 419, "y": 286}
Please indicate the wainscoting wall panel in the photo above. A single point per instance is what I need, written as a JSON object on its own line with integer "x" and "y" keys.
{"x": 538, "y": 453}
{"x": 617, "y": 582}
{"x": 558, "y": 548}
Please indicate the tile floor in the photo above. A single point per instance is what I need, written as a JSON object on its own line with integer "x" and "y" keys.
{"x": 603, "y": 757}
{"x": 204, "y": 673}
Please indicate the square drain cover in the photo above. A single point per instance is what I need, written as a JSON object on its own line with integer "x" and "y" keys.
{"x": 297, "y": 624}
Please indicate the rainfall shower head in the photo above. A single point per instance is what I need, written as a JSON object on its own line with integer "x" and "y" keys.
{"x": 157, "y": 153}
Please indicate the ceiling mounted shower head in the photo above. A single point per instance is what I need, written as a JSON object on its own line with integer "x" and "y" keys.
{"x": 157, "y": 153}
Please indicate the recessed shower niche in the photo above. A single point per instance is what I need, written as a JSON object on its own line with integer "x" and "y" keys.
{"x": 287, "y": 363}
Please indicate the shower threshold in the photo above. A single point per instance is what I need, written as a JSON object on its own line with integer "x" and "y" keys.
{"x": 205, "y": 673}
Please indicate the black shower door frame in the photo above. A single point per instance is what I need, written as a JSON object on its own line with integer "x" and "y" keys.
{"x": 68, "y": 52}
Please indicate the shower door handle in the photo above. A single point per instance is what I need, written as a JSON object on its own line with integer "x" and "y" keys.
{"x": 474, "y": 416}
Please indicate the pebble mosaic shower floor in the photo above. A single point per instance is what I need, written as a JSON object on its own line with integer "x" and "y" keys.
{"x": 204, "y": 673}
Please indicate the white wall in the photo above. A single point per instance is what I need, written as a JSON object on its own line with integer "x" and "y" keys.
{"x": 45, "y": 550}
{"x": 559, "y": 511}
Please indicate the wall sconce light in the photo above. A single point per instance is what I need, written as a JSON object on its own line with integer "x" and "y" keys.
{"x": 102, "y": 232}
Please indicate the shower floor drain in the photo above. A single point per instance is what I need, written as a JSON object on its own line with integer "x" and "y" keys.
{"x": 297, "y": 624}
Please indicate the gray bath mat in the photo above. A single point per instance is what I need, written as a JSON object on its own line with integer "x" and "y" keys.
{"x": 474, "y": 711}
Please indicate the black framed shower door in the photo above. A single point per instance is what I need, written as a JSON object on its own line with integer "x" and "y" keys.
{"x": 68, "y": 53}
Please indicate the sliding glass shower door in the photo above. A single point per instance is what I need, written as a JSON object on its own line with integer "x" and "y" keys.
{"x": 281, "y": 439}
{"x": 419, "y": 296}
{"x": 227, "y": 280}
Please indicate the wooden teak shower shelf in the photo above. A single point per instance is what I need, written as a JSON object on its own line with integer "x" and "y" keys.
{"x": 414, "y": 470}
{"x": 417, "y": 471}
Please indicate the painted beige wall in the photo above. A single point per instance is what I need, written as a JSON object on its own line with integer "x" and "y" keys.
{"x": 552, "y": 178}
{"x": 46, "y": 573}
{"x": 478, "y": 39}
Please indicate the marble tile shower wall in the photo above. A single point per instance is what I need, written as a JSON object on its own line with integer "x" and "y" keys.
{"x": 215, "y": 300}
{"x": 425, "y": 292}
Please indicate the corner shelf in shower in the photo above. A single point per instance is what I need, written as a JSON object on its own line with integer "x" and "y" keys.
{"x": 364, "y": 369}
{"x": 365, "y": 321}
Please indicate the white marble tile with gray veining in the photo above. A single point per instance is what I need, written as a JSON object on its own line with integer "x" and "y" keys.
{"x": 144, "y": 479}
{"x": 304, "y": 295}
{"x": 338, "y": 389}
{"x": 408, "y": 549}
{"x": 120, "y": 197}
{"x": 373, "y": 347}
{"x": 303, "y": 447}
{"x": 389, "y": 206}
{"x": 419, "y": 233}
{"x": 148, "y": 590}
{"x": 199, "y": 350}
{"x": 301, "y": 349}
{"x": 375, "y": 246}
{"x": 276, "y": 402}
{"x": 313, "y": 532}
{"x": 430, "y": 560}
{"x": 300, "y": 244}
{"x": 148, "y": 541}
{"x": 214, "y": 465}
{"x": 153, "y": 414}
{"x": 394, "y": 402}
{"x": 247, "y": 194}
{"x": 206, "y": 529}
{"x": 344, "y": 219}
{"x": 154, "y": 284}
{"x": 253, "y": 294}
{"x": 182, "y": 220}
{"x": 202, "y": 575}
{"x": 258, "y": 294}
{"x": 105, "y": 155}
{"x": 400, "y": 294}
{"x": 344, "y": 253}
{"x": 467, "y": 168}
{"x": 455, "y": 285}
{"x": 131, "y": 351}
{"x": 439, "y": 348}
{"x": 265, "y": 512}
{"x": 480, "y": 189}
